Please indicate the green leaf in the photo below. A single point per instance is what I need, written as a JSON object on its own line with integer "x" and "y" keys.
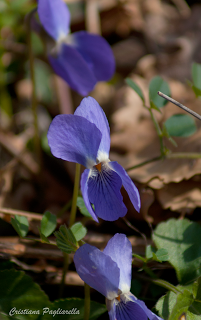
{"x": 167, "y": 135}
{"x": 135, "y": 87}
{"x": 158, "y": 84}
{"x": 79, "y": 231}
{"x": 196, "y": 91}
{"x": 184, "y": 300}
{"x": 7, "y": 264}
{"x": 48, "y": 223}
{"x": 149, "y": 252}
{"x": 157, "y": 255}
{"x": 180, "y": 125}
{"x": 65, "y": 240}
{"x": 196, "y": 306}
{"x": 21, "y": 225}
{"x": 196, "y": 75}
{"x": 153, "y": 106}
{"x": 181, "y": 238}
{"x": 171, "y": 306}
{"x": 165, "y": 305}
{"x": 44, "y": 238}
{"x": 162, "y": 254}
{"x": 75, "y": 306}
{"x": 19, "y": 291}
{"x": 82, "y": 207}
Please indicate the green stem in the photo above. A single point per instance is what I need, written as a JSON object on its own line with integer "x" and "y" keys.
{"x": 162, "y": 283}
{"x": 135, "y": 229}
{"x": 71, "y": 222}
{"x": 65, "y": 269}
{"x": 86, "y": 301}
{"x": 166, "y": 285}
{"x": 144, "y": 163}
{"x": 34, "y": 96}
{"x": 75, "y": 194}
{"x": 175, "y": 155}
{"x": 159, "y": 132}
{"x": 183, "y": 155}
{"x": 139, "y": 257}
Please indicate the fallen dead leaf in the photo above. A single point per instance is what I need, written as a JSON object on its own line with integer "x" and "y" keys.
{"x": 182, "y": 196}
{"x": 134, "y": 141}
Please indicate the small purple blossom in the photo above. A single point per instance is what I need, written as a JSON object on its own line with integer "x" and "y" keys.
{"x": 81, "y": 59}
{"x": 109, "y": 272}
{"x": 85, "y": 138}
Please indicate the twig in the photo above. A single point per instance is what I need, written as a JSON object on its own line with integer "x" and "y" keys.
{"x": 30, "y": 215}
{"x": 15, "y": 144}
{"x": 193, "y": 113}
{"x": 24, "y": 247}
{"x": 9, "y": 165}
{"x": 92, "y": 18}
{"x": 14, "y": 47}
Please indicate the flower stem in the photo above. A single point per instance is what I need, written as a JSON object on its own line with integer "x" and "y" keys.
{"x": 135, "y": 229}
{"x": 71, "y": 222}
{"x": 65, "y": 269}
{"x": 75, "y": 194}
{"x": 34, "y": 96}
{"x": 86, "y": 301}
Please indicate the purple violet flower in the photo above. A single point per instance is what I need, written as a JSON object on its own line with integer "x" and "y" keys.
{"x": 81, "y": 59}
{"x": 85, "y": 138}
{"x": 109, "y": 272}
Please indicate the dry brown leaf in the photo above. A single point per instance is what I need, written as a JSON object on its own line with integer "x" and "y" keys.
{"x": 147, "y": 198}
{"x": 134, "y": 140}
{"x": 183, "y": 196}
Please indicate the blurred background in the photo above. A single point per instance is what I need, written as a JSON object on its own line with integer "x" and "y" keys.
{"x": 148, "y": 38}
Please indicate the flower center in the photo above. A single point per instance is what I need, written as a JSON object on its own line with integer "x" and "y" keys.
{"x": 118, "y": 298}
{"x": 99, "y": 166}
